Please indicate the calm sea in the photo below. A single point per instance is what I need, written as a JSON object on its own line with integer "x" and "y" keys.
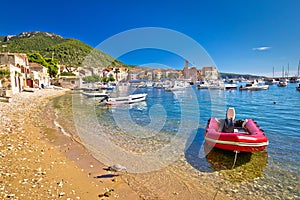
{"x": 275, "y": 110}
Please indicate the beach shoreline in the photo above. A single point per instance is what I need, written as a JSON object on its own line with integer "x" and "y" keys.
{"x": 40, "y": 162}
{"x": 164, "y": 183}
{"x": 41, "y": 157}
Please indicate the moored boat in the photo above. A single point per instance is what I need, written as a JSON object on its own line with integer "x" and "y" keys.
{"x": 230, "y": 86}
{"x": 228, "y": 134}
{"x": 124, "y": 100}
{"x": 298, "y": 88}
{"x": 283, "y": 83}
{"x": 254, "y": 86}
{"x": 177, "y": 86}
{"x": 271, "y": 82}
{"x": 202, "y": 85}
{"x": 95, "y": 94}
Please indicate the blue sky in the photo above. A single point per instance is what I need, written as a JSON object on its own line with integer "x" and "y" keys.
{"x": 242, "y": 36}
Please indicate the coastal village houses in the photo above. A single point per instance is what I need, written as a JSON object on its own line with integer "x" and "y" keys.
{"x": 20, "y": 73}
{"x": 39, "y": 76}
{"x": 193, "y": 74}
{"x": 18, "y": 68}
{"x": 209, "y": 73}
{"x": 119, "y": 74}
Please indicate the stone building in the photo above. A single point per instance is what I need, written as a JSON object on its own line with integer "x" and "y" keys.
{"x": 191, "y": 73}
{"x": 39, "y": 75}
{"x": 17, "y": 66}
{"x": 209, "y": 73}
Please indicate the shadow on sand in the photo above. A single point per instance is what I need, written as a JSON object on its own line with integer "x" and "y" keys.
{"x": 106, "y": 176}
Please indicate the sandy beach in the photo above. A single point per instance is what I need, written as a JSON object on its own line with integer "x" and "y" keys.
{"x": 38, "y": 162}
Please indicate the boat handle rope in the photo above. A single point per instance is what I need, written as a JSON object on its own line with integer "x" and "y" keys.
{"x": 234, "y": 161}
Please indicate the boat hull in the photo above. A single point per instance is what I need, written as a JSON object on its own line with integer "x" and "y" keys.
{"x": 95, "y": 94}
{"x": 251, "y": 139}
{"x": 127, "y": 100}
{"x": 230, "y": 86}
{"x": 255, "y": 88}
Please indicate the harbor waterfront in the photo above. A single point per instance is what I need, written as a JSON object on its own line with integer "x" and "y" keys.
{"x": 270, "y": 174}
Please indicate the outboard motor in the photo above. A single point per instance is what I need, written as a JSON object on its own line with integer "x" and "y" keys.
{"x": 229, "y": 121}
{"x": 104, "y": 99}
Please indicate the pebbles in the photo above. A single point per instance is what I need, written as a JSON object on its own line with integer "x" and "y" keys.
{"x": 28, "y": 164}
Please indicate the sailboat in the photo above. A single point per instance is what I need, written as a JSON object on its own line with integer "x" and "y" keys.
{"x": 284, "y": 81}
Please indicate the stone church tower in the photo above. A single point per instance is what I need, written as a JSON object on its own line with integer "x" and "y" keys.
{"x": 186, "y": 74}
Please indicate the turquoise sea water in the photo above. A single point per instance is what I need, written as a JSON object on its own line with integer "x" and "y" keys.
{"x": 275, "y": 110}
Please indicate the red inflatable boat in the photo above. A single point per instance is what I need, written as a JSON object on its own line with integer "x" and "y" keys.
{"x": 241, "y": 135}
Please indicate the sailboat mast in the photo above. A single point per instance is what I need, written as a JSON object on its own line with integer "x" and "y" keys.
{"x": 287, "y": 75}
{"x": 298, "y": 68}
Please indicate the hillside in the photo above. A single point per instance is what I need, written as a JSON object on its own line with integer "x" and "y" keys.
{"x": 70, "y": 52}
{"x": 231, "y": 75}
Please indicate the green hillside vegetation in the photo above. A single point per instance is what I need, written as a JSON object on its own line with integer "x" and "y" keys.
{"x": 232, "y": 75}
{"x": 49, "y": 63}
{"x": 69, "y": 52}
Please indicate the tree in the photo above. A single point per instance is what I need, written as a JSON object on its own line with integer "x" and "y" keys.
{"x": 111, "y": 79}
{"x": 4, "y": 72}
{"x": 67, "y": 74}
{"x": 117, "y": 70}
{"x": 50, "y": 63}
{"x": 91, "y": 79}
{"x": 52, "y": 67}
{"x": 37, "y": 58}
{"x": 104, "y": 80}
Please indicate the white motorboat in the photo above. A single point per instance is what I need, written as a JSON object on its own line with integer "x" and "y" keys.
{"x": 211, "y": 85}
{"x": 282, "y": 83}
{"x": 202, "y": 85}
{"x": 124, "y": 100}
{"x": 230, "y": 86}
{"x": 177, "y": 86}
{"x": 271, "y": 82}
{"x": 254, "y": 86}
{"x": 95, "y": 94}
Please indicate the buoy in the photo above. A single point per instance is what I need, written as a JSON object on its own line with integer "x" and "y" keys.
{"x": 274, "y": 102}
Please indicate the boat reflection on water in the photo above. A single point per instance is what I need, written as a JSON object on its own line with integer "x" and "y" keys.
{"x": 248, "y": 165}
{"x": 138, "y": 106}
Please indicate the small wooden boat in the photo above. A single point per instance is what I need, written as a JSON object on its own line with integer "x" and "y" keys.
{"x": 124, "y": 100}
{"x": 241, "y": 135}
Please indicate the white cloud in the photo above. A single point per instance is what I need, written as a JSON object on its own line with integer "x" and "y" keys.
{"x": 261, "y": 48}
